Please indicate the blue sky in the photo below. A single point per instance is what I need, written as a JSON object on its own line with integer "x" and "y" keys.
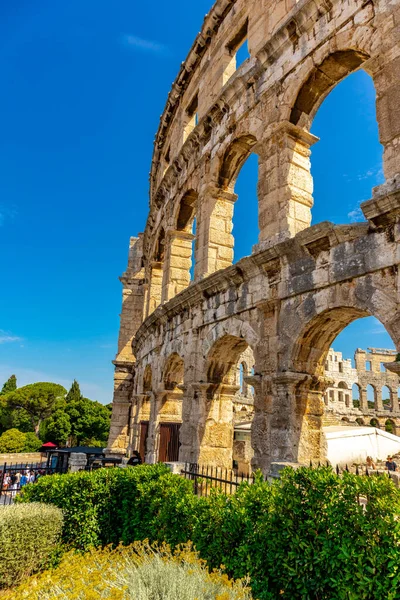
{"x": 84, "y": 83}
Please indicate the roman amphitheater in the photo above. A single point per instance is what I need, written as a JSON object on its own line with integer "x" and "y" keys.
{"x": 188, "y": 349}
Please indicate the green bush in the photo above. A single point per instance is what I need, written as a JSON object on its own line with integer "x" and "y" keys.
{"x": 110, "y": 505}
{"x": 29, "y": 534}
{"x": 12, "y": 441}
{"x": 305, "y": 536}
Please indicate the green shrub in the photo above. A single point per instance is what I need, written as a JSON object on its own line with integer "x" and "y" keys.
{"x": 29, "y": 534}
{"x": 139, "y": 572}
{"x": 110, "y": 505}
{"x": 12, "y": 441}
{"x": 305, "y": 536}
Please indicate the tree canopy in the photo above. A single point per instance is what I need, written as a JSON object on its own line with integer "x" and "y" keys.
{"x": 9, "y": 386}
{"x": 37, "y": 399}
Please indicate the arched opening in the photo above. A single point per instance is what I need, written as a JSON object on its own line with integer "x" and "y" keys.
{"x": 371, "y": 396}
{"x": 390, "y": 426}
{"x": 181, "y": 253}
{"x": 330, "y": 100}
{"x": 386, "y": 396}
{"x": 360, "y": 422}
{"x": 226, "y": 371}
{"x": 239, "y": 175}
{"x": 167, "y": 412}
{"x": 356, "y": 395}
{"x": 173, "y": 372}
{"x": 374, "y": 423}
{"x": 310, "y": 357}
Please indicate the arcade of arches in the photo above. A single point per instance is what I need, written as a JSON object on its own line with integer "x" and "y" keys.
{"x": 257, "y": 332}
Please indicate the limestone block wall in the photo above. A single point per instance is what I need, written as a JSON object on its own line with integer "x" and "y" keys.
{"x": 302, "y": 285}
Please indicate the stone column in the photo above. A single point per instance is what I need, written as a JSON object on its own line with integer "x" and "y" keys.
{"x": 296, "y": 420}
{"x": 216, "y": 443}
{"x": 378, "y": 400}
{"x": 155, "y": 287}
{"x": 156, "y": 402}
{"x": 387, "y": 85}
{"x": 118, "y": 440}
{"x": 137, "y": 403}
{"x": 130, "y": 320}
{"x": 363, "y": 400}
{"x": 214, "y": 231}
{"x": 285, "y": 184}
{"x": 178, "y": 262}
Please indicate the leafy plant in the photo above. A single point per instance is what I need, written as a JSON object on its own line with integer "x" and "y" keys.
{"x": 12, "y": 441}
{"x": 139, "y": 572}
{"x": 28, "y": 536}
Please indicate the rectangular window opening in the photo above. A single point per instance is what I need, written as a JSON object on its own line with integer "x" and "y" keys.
{"x": 192, "y": 117}
{"x": 237, "y": 51}
{"x": 368, "y": 366}
{"x": 383, "y": 368}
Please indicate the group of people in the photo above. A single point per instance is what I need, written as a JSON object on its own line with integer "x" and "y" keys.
{"x": 390, "y": 463}
{"x": 13, "y": 482}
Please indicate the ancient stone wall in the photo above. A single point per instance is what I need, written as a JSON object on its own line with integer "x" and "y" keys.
{"x": 302, "y": 285}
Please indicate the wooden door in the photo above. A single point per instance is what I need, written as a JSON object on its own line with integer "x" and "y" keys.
{"x": 169, "y": 442}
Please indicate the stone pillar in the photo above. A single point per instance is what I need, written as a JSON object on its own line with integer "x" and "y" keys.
{"x": 156, "y": 402}
{"x": 387, "y": 85}
{"x": 285, "y": 184}
{"x": 155, "y": 287}
{"x": 296, "y": 420}
{"x": 214, "y": 232}
{"x": 118, "y": 440}
{"x": 207, "y": 429}
{"x": 178, "y": 262}
{"x": 363, "y": 400}
{"x": 130, "y": 320}
{"x": 378, "y": 400}
{"x": 137, "y": 402}
{"x": 216, "y": 444}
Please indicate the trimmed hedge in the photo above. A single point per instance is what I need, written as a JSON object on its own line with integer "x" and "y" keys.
{"x": 112, "y": 505}
{"x": 305, "y": 536}
{"x": 28, "y": 537}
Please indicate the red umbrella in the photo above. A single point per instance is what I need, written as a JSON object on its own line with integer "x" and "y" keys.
{"x": 49, "y": 445}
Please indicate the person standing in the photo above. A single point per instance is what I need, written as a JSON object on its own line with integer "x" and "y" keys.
{"x": 390, "y": 464}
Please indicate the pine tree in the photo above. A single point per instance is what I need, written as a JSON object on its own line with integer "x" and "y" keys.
{"x": 9, "y": 386}
{"x": 74, "y": 394}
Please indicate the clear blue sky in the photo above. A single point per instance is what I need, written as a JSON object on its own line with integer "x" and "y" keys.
{"x": 84, "y": 83}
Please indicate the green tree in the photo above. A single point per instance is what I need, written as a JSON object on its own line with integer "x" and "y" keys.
{"x": 57, "y": 428}
{"x": 74, "y": 394}
{"x": 39, "y": 400}
{"x": 9, "y": 386}
{"x": 12, "y": 441}
{"x": 90, "y": 420}
{"x": 32, "y": 443}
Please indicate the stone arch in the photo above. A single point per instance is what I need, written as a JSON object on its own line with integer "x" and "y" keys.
{"x": 173, "y": 372}
{"x": 390, "y": 426}
{"x": 374, "y": 423}
{"x": 222, "y": 357}
{"x": 234, "y": 158}
{"x": 321, "y": 80}
{"x": 235, "y": 328}
{"x": 313, "y": 343}
{"x": 360, "y": 422}
{"x": 186, "y": 211}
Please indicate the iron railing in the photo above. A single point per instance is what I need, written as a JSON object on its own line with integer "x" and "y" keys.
{"x": 207, "y": 478}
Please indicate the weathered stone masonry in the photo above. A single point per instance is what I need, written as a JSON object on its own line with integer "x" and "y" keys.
{"x": 180, "y": 342}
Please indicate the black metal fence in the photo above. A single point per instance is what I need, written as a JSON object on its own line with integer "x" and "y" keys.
{"x": 14, "y": 477}
{"x": 207, "y": 478}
